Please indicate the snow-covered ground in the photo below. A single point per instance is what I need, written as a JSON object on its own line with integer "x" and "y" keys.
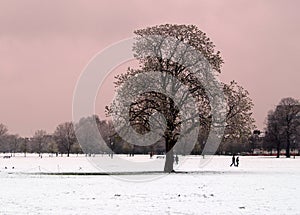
{"x": 260, "y": 185}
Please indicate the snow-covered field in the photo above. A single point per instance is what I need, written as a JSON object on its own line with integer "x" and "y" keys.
{"x": 261, "y": 185}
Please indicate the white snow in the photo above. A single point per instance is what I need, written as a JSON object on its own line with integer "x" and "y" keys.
{"x": 261, "y": 185}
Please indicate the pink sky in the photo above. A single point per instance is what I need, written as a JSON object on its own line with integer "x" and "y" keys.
{"x": 44, "y": 46}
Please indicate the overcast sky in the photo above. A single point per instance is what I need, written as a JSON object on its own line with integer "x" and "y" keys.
{"x": 44, "y": 46}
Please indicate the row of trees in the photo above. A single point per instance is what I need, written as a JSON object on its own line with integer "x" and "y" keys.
{"x": 282, "y": 132}
{"x": 63, "y": 140}
{"x": 283, "y": 127}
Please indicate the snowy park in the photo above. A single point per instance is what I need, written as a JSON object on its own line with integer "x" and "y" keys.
{"x": 149, "y": 107}
{"x": 260, "y": 185}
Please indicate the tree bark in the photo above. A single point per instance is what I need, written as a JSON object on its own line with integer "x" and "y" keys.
{"x": 288, "y": 143}
{"x": 288, "y": 154}
{"x": 169, "y": 157}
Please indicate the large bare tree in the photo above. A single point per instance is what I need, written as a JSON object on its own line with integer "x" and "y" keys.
{"x": 175, "y": 81}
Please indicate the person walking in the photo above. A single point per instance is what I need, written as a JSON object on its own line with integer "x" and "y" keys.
{"x": 237, "y": 161}
{"x": 233, "y": 161}
{"x": 151, "y": 154}
{"x": 176, "y": 159}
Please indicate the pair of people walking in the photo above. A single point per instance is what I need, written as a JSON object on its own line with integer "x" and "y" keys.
{"x": 235, "y": 161}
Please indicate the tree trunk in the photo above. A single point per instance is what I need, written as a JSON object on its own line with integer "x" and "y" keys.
{"x": 169, "y": 157}
{"x": 288, "y": 143}
{"x": 68, "y": 149}
{"x": 288, "y": 154}
{"x": 169, "y": 162}
{"x": 278, "y": 150}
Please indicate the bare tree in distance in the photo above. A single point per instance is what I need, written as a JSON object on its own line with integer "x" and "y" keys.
{"x": 3, "y": 134}
{"x": 64, "y": 135}
{"x": 87, "y": 134}
{"x": 3, "y": 130}
{"x": 24, "y": 146}
{"x": 273, "y": 133}
{"x": 40, "y": 139}
{"x": 239, "y": 120}
{"x": 288, "y": 109}
{"x": 12, "y": 142}
{"x": 282, "y": 124}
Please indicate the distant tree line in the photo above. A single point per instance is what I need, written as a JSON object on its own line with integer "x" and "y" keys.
{"x": 62, "y": 141}
{"x": 283, "y": 128}
{"x": 281, "y": 135}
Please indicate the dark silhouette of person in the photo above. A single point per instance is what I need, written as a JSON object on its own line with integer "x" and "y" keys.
{"x": 237, "y": 161}
{"x": 151, "y": 154}
{"x": 233, "y": 161}
{"x": 176, "y": 159}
